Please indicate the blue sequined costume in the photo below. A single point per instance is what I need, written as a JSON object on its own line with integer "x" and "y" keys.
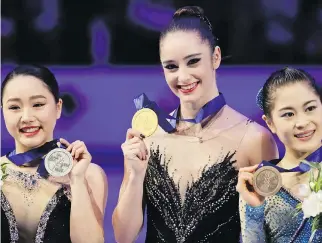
{"x": 275, "y": 220}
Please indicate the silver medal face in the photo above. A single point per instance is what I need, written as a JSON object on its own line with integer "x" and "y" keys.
{"x": 58, "y": 162}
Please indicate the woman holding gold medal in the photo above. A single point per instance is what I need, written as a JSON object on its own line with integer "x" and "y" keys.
{"x": 52, "y": 192}
{"x": 184, "y": 171}
{"x": 291, "y": 101}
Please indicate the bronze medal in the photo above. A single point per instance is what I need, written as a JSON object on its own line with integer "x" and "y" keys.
{"x": 267, "y": 181}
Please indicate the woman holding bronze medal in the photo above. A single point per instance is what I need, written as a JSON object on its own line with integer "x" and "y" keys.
{"x": 51, "y": 191}
{"x": 182, "y": 167}
{"x": 291, "y": 101}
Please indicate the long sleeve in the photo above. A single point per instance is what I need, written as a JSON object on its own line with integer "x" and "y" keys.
{"x": 252, "y": 223}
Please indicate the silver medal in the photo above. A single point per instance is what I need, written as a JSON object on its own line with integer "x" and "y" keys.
{"x": 58, "y": 162}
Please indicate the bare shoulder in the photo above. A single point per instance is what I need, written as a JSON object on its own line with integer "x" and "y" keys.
{"x": 254, "y": 130}
{"x": 97, "y": 188}
{"x": 259, "y": 144}
{"x": 230, "y": 112}
{"x": 95, "y": 174}
{"x": 258, "y": 132}
{"x": 97, "y": 185}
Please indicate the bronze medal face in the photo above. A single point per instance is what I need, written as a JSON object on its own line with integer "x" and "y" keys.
{"x": 267, "y": 181}
{"x": 145, "y": 121}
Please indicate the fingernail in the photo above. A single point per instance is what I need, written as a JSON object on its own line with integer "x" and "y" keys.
{"x": 142, "y": 136}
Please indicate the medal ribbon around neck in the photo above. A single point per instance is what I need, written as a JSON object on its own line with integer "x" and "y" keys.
{"x": 316, "y": 156}
{"x": 35, "y": 154}
{"x": 267, "y": 179}
{"x": 168, "y": 122}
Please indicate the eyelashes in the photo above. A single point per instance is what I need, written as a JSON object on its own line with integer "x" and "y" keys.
{"x": 287, "y": 114}
{"x": 15, "y": 107}
{"x": 171, "y": 66}
{"x": 311, "y": 108}
{"x": 290, "y": 114}
{"x": 189, "y": 63}
{"x": 38, "y": 105}
{"x": 193, "y": 61}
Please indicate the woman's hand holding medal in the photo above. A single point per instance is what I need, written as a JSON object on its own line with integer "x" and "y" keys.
{"x": 135, "y": 152}
{"x": 82, "y": 158}
{"x": 65, "y": 165}
{"x": 245, "y": 187}
{"x": 257, "y": 182}
{"x": 144, "y": 124}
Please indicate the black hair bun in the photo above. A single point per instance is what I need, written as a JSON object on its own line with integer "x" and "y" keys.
{"x": 192, "y": 12}
{"x": 259, "y": 99}
{"x": 189, "y": 11}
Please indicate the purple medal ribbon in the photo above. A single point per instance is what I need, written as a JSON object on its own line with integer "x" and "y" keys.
{"x": 168, "y": 122}
{"x": 316, "y": 156}
{"x": 33, "y": 155}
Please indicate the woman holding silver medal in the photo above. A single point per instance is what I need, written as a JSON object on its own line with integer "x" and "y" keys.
{"x": 271, "y": 192}
{"x": 51, "y": 191}
{"x": 184, "y": 171}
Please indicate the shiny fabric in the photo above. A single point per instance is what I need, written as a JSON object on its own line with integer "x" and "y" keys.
{"x": 275, "y": 221}
{"x": 190, "y": 184}
{"x": 54, "y": 225}
{"x": 209, "y": 212}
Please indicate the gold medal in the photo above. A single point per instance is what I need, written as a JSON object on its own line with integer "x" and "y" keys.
{"x": 267, "y": 181}
{"x": 145, "y": 121}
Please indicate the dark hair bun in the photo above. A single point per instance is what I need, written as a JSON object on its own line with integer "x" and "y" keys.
{"x": 259, "y": 99}
{"x": 189, "y": 11}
